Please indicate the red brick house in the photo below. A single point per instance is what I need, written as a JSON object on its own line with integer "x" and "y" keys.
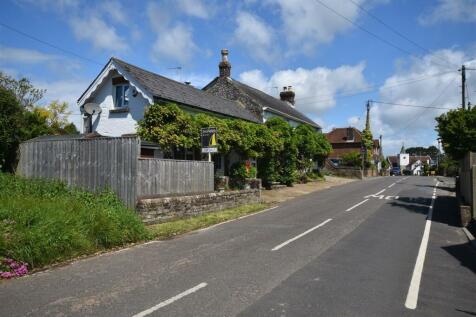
{"x": 348, "y": 140}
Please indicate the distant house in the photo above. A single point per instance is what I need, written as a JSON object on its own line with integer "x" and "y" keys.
{"x": 349, "y": 140}
{"x": 413, "y": 164}
{"x": 123, "y": 91}
{"x": 260, "y": 104}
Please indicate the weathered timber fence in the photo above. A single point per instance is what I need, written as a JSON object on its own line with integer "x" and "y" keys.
{"x": 157, "y": 177}
{"x": 467, "y": 182}
{"x": 98, "y": 163}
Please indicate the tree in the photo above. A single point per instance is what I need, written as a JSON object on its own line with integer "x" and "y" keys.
{"x": 286, "y": 158}
{"x": 457, "y": 129}
{"x": 26, "y": 94}
{"x": 10, "y": 129}
{"x": 311, "y": 145}
{"x": 168, "y": 126}
{"x": 352, "y": 159}
{"x": 431, "y": 151}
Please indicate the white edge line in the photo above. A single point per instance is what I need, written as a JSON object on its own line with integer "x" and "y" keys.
{"x": 242, "y": 217}
{"x": 356, "y": 205}
{"x": 413, "y": 290}
{"x": 300, "y": 235}
{"x": 170, "y": 300}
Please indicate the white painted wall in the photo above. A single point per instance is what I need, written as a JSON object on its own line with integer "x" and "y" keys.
{"x": 268, "y": 115}
{"x": 404, "y": 159}
{"x": 116, "y": 124}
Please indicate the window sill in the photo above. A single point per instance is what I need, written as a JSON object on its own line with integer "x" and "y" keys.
{"x": 119, "y": 110}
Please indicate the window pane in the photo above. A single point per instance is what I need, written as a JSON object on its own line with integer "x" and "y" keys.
{"x": 118, "y": 96}
{"x": 126, "y": 98}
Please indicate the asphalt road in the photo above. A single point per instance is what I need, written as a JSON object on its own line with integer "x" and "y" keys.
{"x": 361, "y": 249}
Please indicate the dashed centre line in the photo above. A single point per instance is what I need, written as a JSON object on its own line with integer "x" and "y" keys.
{"x": 170, "y": 300}
{"x": 300, "y": 235}
{"x": 357, "y": 205}
{"x": 390, "y": 186}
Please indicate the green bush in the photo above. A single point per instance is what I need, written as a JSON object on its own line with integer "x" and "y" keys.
{"x": 42, "y": 222}
{"x": 352, "y": 159}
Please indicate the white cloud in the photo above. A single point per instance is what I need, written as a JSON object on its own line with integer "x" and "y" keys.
{"x": 450, "y": 10}
{"x": 194, "y": 8}
{"x": 415, "y": 126}
{"x": 354, "y": 121}
{"x": 100, "y": 34}
{"x": 115, "y": 10}
{"x": 255, "y": 35}
{"x": 307, "y": 23}
{"x": 315, "y": 88}
{"x": 24, "y": 56}
{"x": 173, "y": 41}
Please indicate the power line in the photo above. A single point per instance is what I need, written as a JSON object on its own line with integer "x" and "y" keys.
{"x": 374, "y": 88}
{"x": 34, "y": 38}
{"x": 398, "y": 33}
{"x": 431, "y": 104}
{"x": 368, "y": 32}
{"x": 406, "y": 105}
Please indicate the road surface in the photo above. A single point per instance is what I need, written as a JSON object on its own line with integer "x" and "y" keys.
{"x": 387, "y": 246}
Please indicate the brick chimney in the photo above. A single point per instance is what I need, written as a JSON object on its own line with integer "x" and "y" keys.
{"x": 224, "y": 66}
{"x": 287, "y": 95}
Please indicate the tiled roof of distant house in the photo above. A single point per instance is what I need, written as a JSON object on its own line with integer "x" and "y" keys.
{"x": 341, "y": 135}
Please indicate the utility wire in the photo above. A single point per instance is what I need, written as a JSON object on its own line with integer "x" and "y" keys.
{"x": 34, "y": 38}
{"x": 373, "y": 88}
{"x": 368, "y": 32}
{"x": 398, "y": 33}
{"x": 424, "y": 110}
{"x": 406, "y": 105}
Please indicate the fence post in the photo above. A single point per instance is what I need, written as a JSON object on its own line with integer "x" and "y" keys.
{"x": 473, "y": 192}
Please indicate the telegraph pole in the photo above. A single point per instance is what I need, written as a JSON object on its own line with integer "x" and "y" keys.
{"x": 463, "y": 86}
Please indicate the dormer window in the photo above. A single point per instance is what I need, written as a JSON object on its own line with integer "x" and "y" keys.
{"x": 122, "y": 98}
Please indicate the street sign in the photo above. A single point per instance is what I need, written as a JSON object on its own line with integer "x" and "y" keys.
{"x": 209, "y": 150}
{"x": 209, "y": 140}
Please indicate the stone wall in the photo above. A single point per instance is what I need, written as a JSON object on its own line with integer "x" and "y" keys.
{"x": 154, "y": 210}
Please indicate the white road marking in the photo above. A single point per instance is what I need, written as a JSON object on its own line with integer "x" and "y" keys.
{"x": 357, "y": 205}
{"x": 413, "y": 290}
{"x": 239, "y": 218}
{"x": 390, "y": 186}
{"x": 300, "y": 235}
{"x": 170, "y": 300}
{"x": 376, "y": 195}
{"x": 380, "y": 192}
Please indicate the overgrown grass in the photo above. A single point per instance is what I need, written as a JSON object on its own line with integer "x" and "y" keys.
{"x": 173, "y": 228}
{"x": 42, "y": 222}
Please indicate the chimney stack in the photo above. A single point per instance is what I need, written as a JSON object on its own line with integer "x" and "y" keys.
{"x": 224, "y": 66}
{"x": 287, "y": 95}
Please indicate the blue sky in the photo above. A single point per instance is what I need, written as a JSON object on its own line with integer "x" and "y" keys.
{"x": 316, "y": 46}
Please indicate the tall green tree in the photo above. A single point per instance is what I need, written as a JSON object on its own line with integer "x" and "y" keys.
{"x": 431, "y": 151}
{"x": 457, "y": 129}
{"x": 24, "y": 91}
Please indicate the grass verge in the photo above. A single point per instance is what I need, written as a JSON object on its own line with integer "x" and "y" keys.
{"x": 174, "y": 228}
{"x": 44, "y": 222}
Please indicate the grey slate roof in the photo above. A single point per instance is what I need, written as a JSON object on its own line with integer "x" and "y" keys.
{"x": 168, "y": 89}
{"x": 266, "y": 100}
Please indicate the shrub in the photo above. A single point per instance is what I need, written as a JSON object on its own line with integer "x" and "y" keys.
{"x": 42, "y": 222}
{"x": 352, "y": 159}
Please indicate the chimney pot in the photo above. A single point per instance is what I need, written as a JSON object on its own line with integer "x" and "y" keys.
{"x": 224, "y": 66}
{"x": 287, "y": 95}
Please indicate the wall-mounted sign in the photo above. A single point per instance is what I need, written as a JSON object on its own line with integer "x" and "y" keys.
{"x": 209, "y": 140}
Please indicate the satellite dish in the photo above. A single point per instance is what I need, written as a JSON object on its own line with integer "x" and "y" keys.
{"x": 92, "y": 108}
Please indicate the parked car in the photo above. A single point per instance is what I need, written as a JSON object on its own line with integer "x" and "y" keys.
{"x": 395, "y": 171}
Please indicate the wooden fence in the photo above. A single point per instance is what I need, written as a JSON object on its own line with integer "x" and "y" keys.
{"x": 467, "y": 181}
{"x": 158, "y": 177}
{"x": 99, "y": 163}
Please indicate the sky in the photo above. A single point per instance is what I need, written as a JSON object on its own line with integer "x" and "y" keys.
{"x": 337, "y": 54}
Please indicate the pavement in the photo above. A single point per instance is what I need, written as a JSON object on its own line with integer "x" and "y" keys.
{"x": 282, "y": 194}
{"x": 384, "y": 246}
